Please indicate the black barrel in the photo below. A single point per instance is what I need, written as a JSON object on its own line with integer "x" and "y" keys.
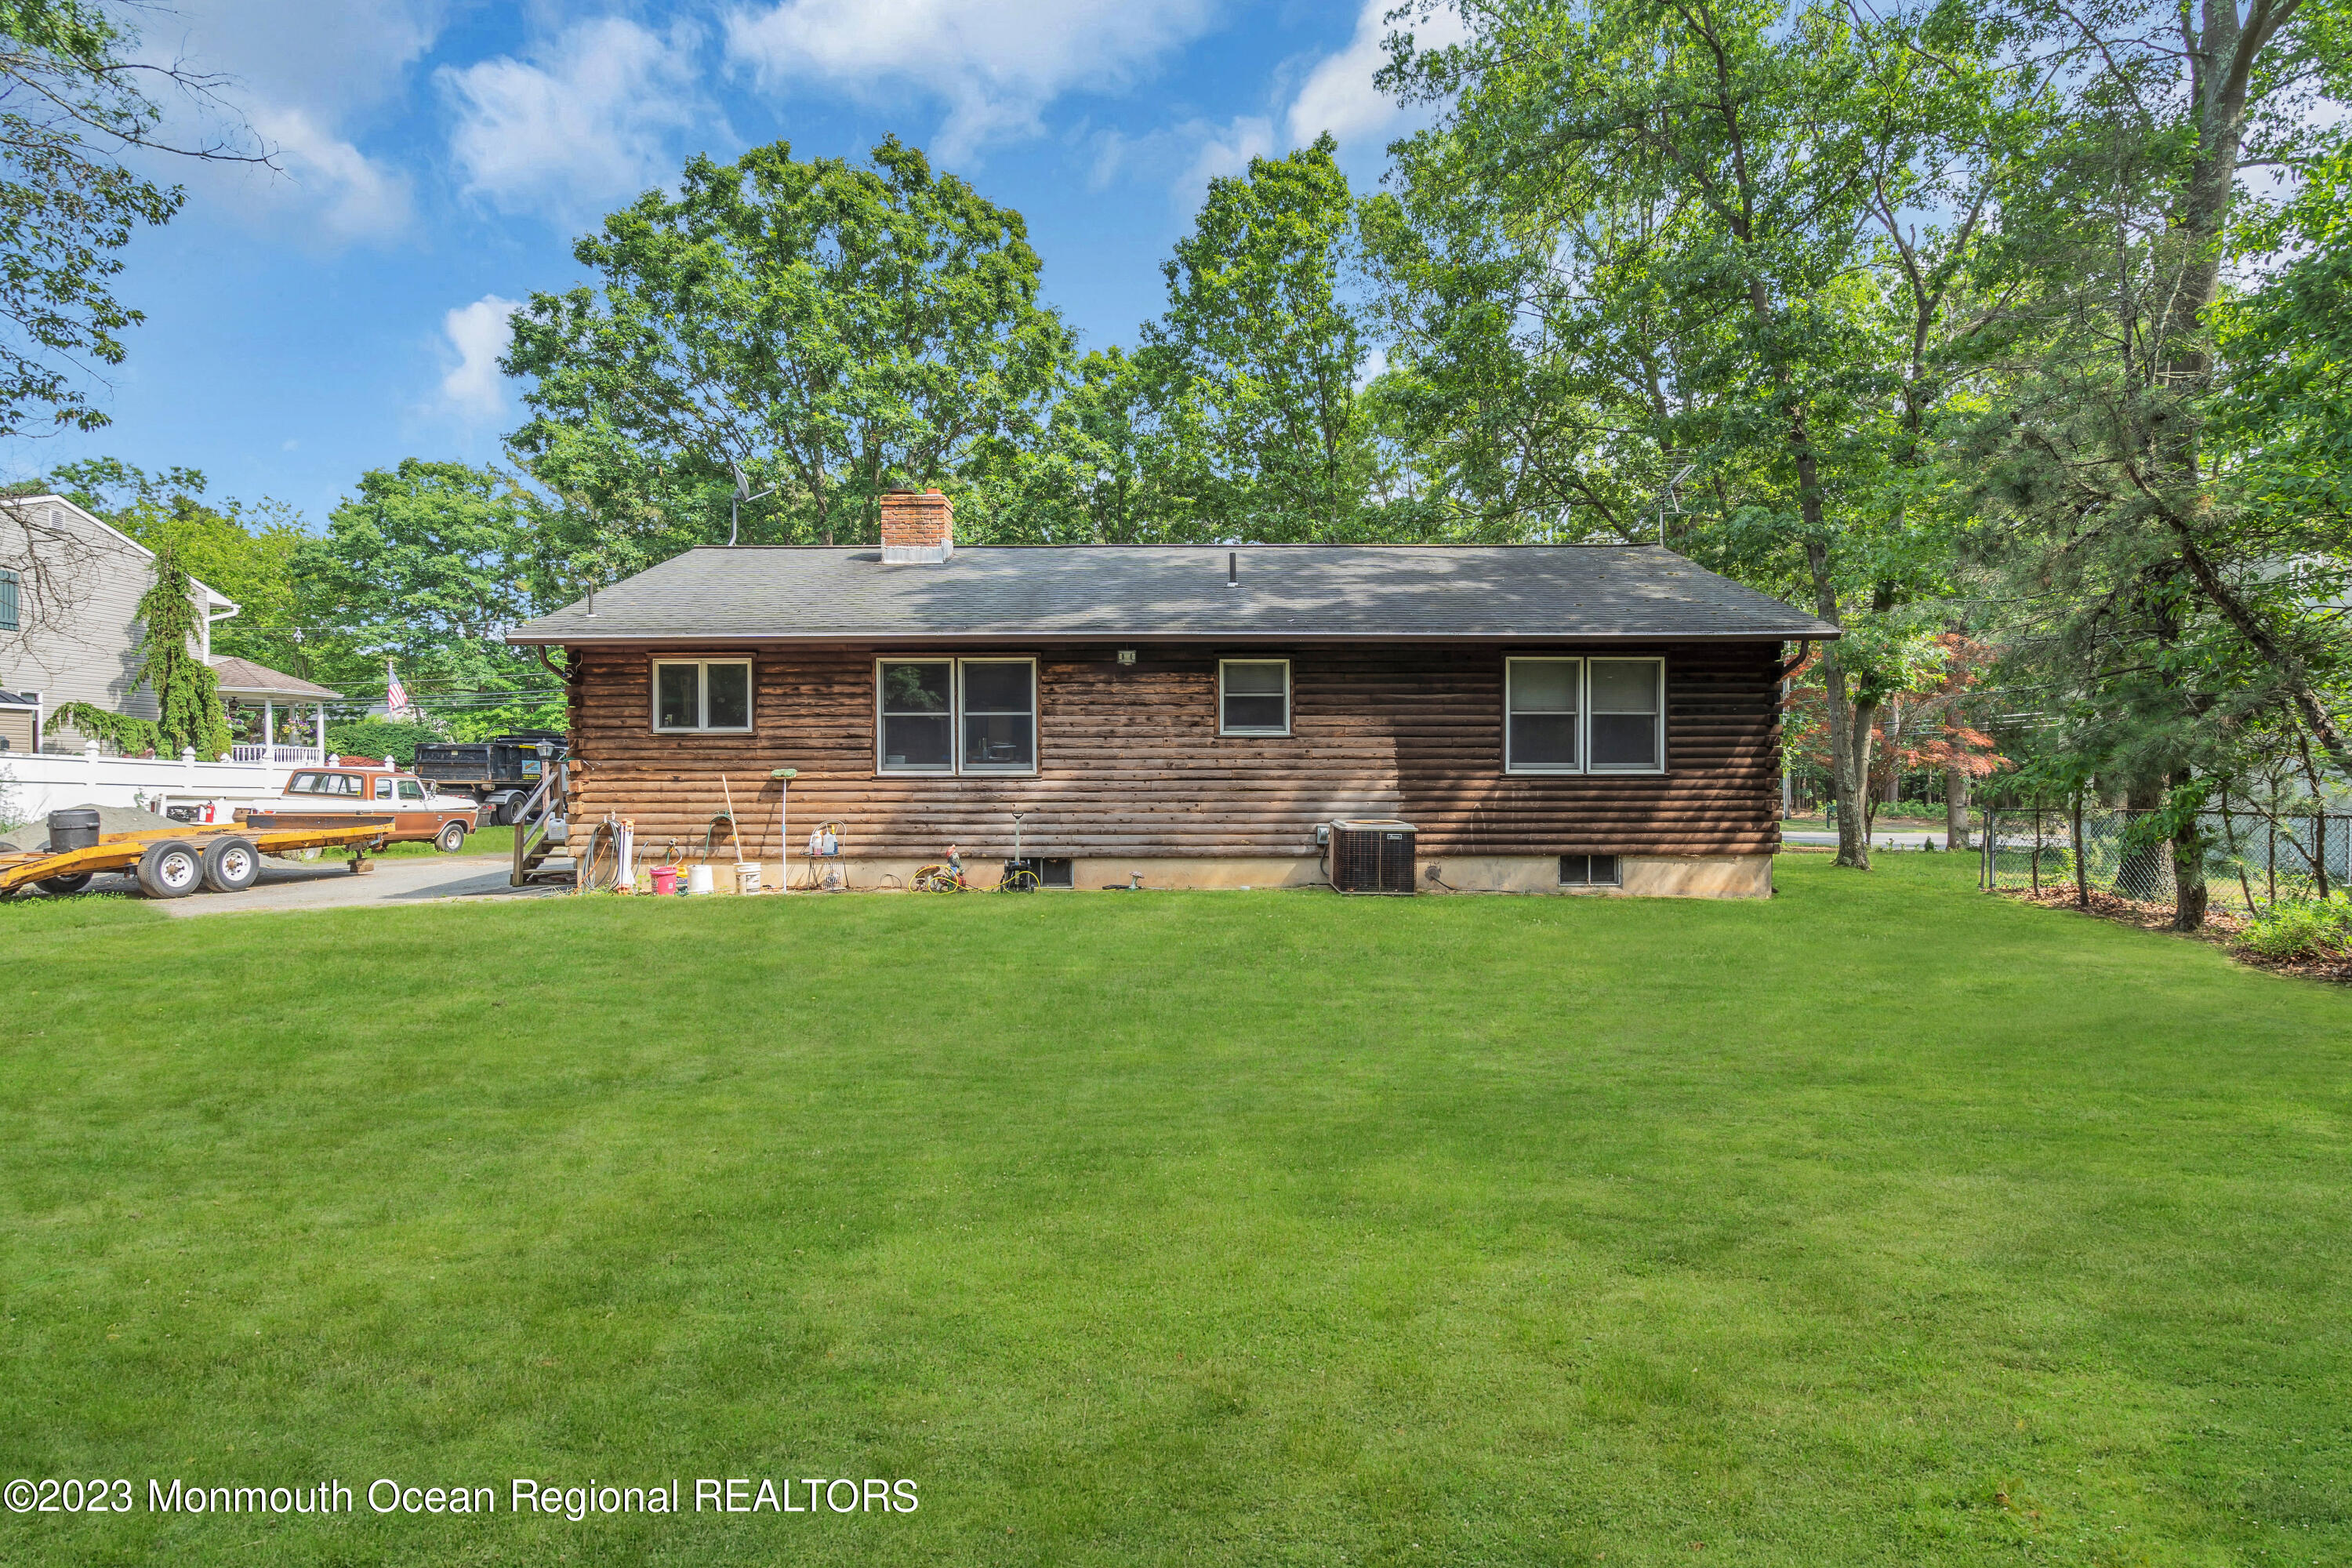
{"x": 72, "y": 830}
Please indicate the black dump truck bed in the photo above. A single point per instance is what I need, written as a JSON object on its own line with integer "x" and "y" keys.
{"x": 503, "y": 766}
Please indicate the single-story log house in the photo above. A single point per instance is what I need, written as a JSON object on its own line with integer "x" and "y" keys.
{"x": 1551, "y": 718}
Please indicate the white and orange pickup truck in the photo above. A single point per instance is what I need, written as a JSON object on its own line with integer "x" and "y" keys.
{"x": 325, "y": 797}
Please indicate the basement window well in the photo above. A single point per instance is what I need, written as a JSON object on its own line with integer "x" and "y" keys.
{"x": 702, "y": 697}
{"x": 1590, "y": 871}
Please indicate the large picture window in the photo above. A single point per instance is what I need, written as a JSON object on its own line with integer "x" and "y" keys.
{"x": 1585, "y": 715}
{"x": 703, "y": 697}
{"x": 956, "y": 716}
{"x": 1254, "y": 697}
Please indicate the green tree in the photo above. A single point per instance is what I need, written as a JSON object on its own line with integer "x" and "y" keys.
{"x": 73, "y": 107}
{"x": 829, "y": 329}
{"x": 428, "y": 564}
{"x": 2136, "y": 463}
{"x": 1254, "y": 366}
{"x": 188, "y": 694}
{"x": 248, "y": 552}
{"x": 1667, "y": 258}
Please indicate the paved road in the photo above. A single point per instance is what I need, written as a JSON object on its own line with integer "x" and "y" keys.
{"x": 327, "y": 884}
{"x": 1877, "y": 840}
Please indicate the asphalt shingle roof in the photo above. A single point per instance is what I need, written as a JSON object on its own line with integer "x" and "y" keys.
{"x": 718, "y": 593}
{"x": 243, "y": 678}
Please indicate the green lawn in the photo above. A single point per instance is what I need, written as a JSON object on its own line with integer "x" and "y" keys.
{"x": 481, "y": 841}
{"x": 1882, "y": 1223}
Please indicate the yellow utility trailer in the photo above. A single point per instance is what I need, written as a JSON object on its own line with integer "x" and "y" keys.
{"x": 172, "y": 862}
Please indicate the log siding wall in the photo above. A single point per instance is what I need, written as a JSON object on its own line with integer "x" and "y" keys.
{"x": 1130, "y": 762}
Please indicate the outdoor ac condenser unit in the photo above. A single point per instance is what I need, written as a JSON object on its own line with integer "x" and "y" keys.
{"x": 1372, "y": 857}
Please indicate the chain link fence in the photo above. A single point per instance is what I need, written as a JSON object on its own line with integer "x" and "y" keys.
{"x": 2252, "y": 859}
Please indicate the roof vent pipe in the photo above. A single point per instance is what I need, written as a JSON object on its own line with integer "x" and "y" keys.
{"x": 1232, "y": 569}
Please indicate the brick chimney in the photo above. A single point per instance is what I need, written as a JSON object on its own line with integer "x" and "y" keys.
{"x": 917, "y": 526}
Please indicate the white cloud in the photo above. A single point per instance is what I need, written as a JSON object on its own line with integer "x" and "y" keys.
{"x": 589, "y": 116}
{"x": 298, "y": 73}
{"x": 995, "y": 63}
{"x": 1221, "y": 151}
{"x": 352, "y": 196}
{"x": 475, "y": 389}
{"x": 1339, "y": 96}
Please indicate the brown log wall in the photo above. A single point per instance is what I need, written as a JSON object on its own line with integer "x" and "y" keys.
{"x": 1131, "y": 763}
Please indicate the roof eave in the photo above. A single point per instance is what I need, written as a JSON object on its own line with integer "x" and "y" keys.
{"x": 557, "y": 639}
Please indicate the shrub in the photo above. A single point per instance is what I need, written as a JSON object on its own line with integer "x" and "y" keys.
{"x": 379, "y": 737}
{"x": 2320, "y": 928}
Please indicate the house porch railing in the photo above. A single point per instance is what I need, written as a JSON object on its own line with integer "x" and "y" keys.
{"x": 294, "y": 755}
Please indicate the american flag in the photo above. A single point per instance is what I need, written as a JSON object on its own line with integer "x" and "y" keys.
{"x": 395, "y": 697}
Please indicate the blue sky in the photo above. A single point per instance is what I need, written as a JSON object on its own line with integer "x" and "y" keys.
{"x": 440, "y": 157}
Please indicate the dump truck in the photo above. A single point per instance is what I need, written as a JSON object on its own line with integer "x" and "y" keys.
{"x": 500, "y": 771}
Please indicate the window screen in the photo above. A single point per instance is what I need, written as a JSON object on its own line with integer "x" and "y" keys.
{"x": 1541, "y": 710}
{"x": 9, "y": 584}
{"x": 1626, "y": 712}
{"x": 1255, "y": 697}
{"x": 727, "y": 696}
{"x": 703, "y": 696}
{"x": 678, "y": 696}
{"x": 1000, "y": 714}
{"x": 1588, "y": 871}
{"x": 917, "y": 726}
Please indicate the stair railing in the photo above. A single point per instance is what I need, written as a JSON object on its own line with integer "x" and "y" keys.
{"x": 543, "y": 806}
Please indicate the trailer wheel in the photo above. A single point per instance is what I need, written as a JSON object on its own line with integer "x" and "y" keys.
{"x": 59, "y": 887}
{"x": 231, "y": 865}
{"x": 451, "y": 838}
{"x": 170, "y": 869}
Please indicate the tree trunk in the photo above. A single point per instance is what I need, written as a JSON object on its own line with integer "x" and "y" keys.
{"x": 2188, "y": 878}
{"x": 1956, "y": 808}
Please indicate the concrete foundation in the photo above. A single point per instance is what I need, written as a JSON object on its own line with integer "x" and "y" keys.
{"x": 1645, "y": 876}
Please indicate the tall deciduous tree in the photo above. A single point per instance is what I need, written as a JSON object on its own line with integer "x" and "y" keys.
{"x": 829, "y": 328}
{"x": 428, "y": 564}
{"x": 1658, "y": 239}
{"x": 1256, "y": 362}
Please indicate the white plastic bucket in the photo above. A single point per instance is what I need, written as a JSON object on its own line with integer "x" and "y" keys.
{"x": 746, "y": 876}
{"x": 699, "y": 880}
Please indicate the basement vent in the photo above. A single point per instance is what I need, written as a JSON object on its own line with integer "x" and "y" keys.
{"x": 1058, "y": 873}
{"x": 1590, "y": 872}
{"x": 1372, "y": 857}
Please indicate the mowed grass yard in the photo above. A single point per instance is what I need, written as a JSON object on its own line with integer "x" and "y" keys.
{"x": 1882, "y": 1223}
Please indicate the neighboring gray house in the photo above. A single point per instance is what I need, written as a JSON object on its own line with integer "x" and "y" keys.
{"x": 69, "y": 593}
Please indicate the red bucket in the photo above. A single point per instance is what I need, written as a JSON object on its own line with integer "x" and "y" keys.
{"x": 665, "y": 880}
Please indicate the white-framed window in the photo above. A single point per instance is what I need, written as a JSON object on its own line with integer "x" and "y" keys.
{"x": 1541, "y": 711}
{"x": 706, "y": 696}
{"x": 1585, "y": 715}
{"x": 10, "y": 584}
{"x": 1626, "y": 699}
{"x": 915, "y": 731}
{"x": 973, "y": 716}
{"x": 1253, "y": 697}
{"x": 999, "y": 700}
